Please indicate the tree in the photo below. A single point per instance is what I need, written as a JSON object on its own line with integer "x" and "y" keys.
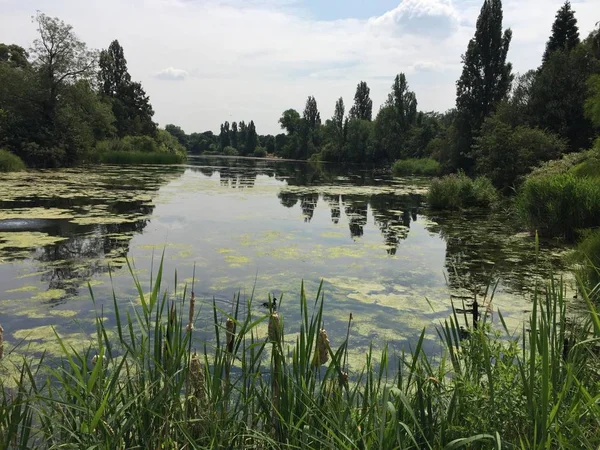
{"x": 363, "y": 105}
{"x": 234, "y": 135}
{"x": 486, "y": 77}
{"x": 178, "y": 133}
{"x": 311, "y": 113}
{"x": 359, "y": 143}
{"x": 289, "y": 121}
{"x": 565, "y": 33}
{"x": 592, "y": 104}
{"x": 14, "y": 55}
{"x": 131, "y": 105}
{"x": 251, "y": 139}
{"x": 60, "y": 57}
{"x": 224, "y": 135}
{"x": 404, "y": 103}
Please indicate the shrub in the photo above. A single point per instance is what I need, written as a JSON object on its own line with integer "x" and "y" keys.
{"x": 458, "y": 191}
{"x": 128, "y": 157}
{"x": 260, "y": 152}
{"x": 230, "y": 151}
{"x": 416, "y": 166}
{"x": 10, "y": 162}
{"x": 145, "y": 144}
{"x": 560, "y": 205}
{"x": 588, "y": 252}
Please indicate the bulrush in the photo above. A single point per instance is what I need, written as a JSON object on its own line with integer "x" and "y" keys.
{"x": 1, "y": 341}
{"x": 190, "y": 325}
{"x": 274, "y": 328}
{"x": 230, "y": 326}
{"x": 196, "y": 376}
{"x": 322, "y": 350}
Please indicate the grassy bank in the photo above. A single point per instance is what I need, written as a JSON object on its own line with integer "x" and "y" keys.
{"x": 416, "y": 166}
{"x": 458, "y": 191}
{"x": 135, "y": 157}
{"x": 10, "y": 162}
{"x": 141, "y": 385}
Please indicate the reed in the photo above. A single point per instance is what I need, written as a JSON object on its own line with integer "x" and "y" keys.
{"x": 416, "y": 166}
{"x": 141, "y": 386}
{"x": 137, "y": 157}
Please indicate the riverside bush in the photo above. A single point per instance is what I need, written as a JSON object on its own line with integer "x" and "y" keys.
{"x": 10, "y": 162}
{"x": 560, "y": 205}
{"x": 416, "y": 166}
{"x": 458, "y": 191}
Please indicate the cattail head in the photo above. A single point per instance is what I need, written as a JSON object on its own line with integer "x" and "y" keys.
{"x": 1, "y": 341}
{"x": 196, "y": 375}
{"x": 190, "y": 325}
{"x": 343, "y": 378}
{"x": 274, "y": 328}
{"x": 230, "y": 326}
{"x": 322, "y": 349}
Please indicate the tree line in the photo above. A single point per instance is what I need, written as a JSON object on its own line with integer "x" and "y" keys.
{"x": 502, "y": 125}
{"x": 61, "y": 103}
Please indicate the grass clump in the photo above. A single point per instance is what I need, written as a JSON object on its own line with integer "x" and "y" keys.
{"x": 416, "y": 166}
{"x": 457, "y": 191}
{"x": 9, "y": 162}
{"x": 141, "y": 385}
{"x": 560, "y": 205}
{"x": 588, "y": 253}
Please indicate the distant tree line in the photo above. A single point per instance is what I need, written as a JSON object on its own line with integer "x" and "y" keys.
{"x": 61, "y": 102}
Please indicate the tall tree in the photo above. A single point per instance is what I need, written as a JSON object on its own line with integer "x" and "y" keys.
{"x": 131, "y": 105}
{"x": 338, "y": 122}
{"x": 224, "y": 135}
{"x": 486, "y": 76}
{"x": 363, "y": 105}
{"x": 60, "y": 57}
{"x": 404, "y": 103}
{"x": 251, "y": 138}
{"x": 14, "y": 56}
{"x": 565, "y": 33}
{"x": 311, "y": 113}
{"x": 289, "y": 121}
{"x": 234, "y": 135}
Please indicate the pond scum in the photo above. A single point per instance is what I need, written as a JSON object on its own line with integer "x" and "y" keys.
{"x": 142, "y": 385}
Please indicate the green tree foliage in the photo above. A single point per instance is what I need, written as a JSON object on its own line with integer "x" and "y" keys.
{"x": 13, "y": 55}
{"x": 565, "y": 33}
{"x": 178, "y": 134}
{"x": 224, "y": 135}
{"x": 363, "y": 105}
{"x": 289, "y": 121}
{"x": 485, "y": 79}
{"x": 251, "y": 139}
{"x": 505, "y": 153}
{"x": 592, "y": 103}
{"x": 233, "y": 138}
{"x": 311, "y": 114}
{"x": 359, "y": 144}
{"x": 131, "y": 106}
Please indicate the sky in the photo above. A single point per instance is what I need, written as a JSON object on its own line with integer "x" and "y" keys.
{"x": 207, "y": 61}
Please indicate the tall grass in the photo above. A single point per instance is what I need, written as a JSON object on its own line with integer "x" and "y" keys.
{"x": 416, "y": 166}
{"x": 457, "y": 191}
{"x": 135, "y": 157}
{"x": 560, "y": 205}
{"x": 588, "y": 253}
{"x": 141, "y": 385}
{"x": 10, "y": 162}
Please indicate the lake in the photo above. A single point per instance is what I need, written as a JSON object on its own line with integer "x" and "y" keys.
{"x": 229, "y": 225}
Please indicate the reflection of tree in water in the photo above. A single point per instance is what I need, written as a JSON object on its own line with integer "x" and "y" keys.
{"x": 236, "y": 179}
{"x": 482, "y": 247}
{"x": 393, "y": 215}
{"x": 356, "y": 208}
{"x": 288, "y": 199}
{"x": 334, "y": 205}
{"x": 308, "y": 203}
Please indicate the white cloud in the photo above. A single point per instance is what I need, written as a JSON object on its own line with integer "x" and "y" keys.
{"x": 172, "y": 74}
{"x": 252, "y": 60}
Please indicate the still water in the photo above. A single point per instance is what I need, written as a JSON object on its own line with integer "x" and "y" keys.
{"x": 249, "y": 226}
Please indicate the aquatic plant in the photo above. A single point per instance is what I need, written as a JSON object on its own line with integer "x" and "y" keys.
{"x": 9, "y": 162}
{"x": 141, "y": 385}
{"x": 560, "y": 205}
{"x": 137, "y": 157}
{"x": 416, "y": 166}
{"x": 458, "y": 191}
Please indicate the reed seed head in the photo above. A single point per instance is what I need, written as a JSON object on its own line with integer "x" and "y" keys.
{"x": 274, "y": 328}
{"x": 196, "y": 375}
{"x": 322, "y": 350}
{"x": 190, "y": 325}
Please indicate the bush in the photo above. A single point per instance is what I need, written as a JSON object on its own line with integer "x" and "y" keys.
{"x": 260, "y": 152}
{"x": 145, "y": 144}
{"x": 416, "y": 166}
{"x": 10, "y": 162}
{"x": 560, "y": 205}
{"x": 230, "y": 151}
{"x": 458, "y": 191}
{"x": 588, "y": 252}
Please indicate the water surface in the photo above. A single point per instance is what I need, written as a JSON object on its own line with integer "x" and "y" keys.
{"x": 252, "y": 226}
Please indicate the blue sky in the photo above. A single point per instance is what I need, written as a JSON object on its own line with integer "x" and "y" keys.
{"x": 206, "y": 61}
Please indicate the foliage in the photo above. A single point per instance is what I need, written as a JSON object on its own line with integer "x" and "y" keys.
{"x": 560, "y": 205}
{"x": 141, "y": 386}
{"x": 260, "y": 152}
{"x": 10, "y": 162}
{"x": 565, "y": 33}
{"x": 363, "y": 105}
{"x": 458, "y": 191}
{"x": 416, "y": 166}
{"x": 486, "y": 76}
{"x": 230, "y": 151}
{"x": 134, "y": 157}
{"x": 588, "y": 252}
{"x": 592, "y": 103}
{"x": 505, "y": 154}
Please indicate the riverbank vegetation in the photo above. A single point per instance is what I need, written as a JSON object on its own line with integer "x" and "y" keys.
{"x": 142, "y": 383}
{"x": 60, "y": 102}
{"x": 10, "y": 162}
{"x": 416, "y": 166}
{"x": 458, "y": 191}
